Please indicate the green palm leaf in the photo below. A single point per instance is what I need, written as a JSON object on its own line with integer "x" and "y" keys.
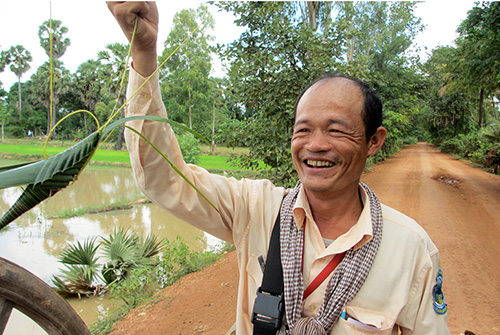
{"x": 46, "y": 177}
{"x": 150, "y": 246}
{"x": 81, "y": 254}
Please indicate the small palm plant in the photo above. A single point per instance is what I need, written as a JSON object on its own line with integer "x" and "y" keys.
{"x": 123, "y": 251}
{"x": 81, "y": 270}
{"x": 126, "y": 251}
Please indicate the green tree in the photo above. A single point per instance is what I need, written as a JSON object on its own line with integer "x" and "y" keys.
{"x": 3, "y": 110}
{"x": 88, "y": 84}
{"x": 19, "y": 59}
{"x": 114, "y": 64}
{"x": 53, "y": 29}
{"x": 289, "y": 44}
{"x": 51, "y": 34}
{"x": 40, "y": 85}
{"x": 478, "y": 49}
{"x": 450, "y": 115}
{"x": 4, "y": 56}
{"x": 186, "y": 85}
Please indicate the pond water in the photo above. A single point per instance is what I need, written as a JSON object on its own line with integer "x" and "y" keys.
{"x": 35, "y": 240}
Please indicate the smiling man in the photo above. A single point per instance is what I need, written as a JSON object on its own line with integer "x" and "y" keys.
{"x": 349, "y": 264}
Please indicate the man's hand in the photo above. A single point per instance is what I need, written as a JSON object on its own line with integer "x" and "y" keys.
{"x": 144, "y": 45}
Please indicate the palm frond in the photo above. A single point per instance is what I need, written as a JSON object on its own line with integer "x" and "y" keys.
{"x": 151, "y": 246}
{"x": 46, "y": 177}
{"x": 80, "y": 254}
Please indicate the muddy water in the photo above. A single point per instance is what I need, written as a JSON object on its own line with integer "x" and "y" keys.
{"x": 36, "y": 239}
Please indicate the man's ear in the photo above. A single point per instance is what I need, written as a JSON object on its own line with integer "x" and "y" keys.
{"x": 376, "y": 141}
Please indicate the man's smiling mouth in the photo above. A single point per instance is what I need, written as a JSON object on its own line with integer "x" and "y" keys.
{"x": 321, "y": 164}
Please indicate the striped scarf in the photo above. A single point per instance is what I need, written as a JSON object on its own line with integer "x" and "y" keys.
{"x": 346, "y": 281}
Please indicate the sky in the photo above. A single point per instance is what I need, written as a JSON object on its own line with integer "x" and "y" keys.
{"x": 91, "y": 27}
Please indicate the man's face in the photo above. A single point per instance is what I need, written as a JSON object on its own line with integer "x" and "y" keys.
{"x": 329, "y": 148}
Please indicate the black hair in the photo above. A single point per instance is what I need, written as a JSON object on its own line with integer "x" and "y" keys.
{"x": 372, "y": 104}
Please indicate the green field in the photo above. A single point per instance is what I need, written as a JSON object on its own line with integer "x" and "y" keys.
{"x": 31, "y": 151}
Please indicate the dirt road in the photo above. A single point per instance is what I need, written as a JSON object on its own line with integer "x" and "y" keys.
{"x": 458, "y": 205}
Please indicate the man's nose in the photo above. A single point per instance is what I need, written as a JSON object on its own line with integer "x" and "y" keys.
{"x": 318, "y": 141}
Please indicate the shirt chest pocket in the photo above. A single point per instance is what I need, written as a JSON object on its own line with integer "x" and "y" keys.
{"x": 362, "y": 322}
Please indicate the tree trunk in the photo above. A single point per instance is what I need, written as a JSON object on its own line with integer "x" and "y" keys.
{"x": 189, "y": 110}
{"x": 213, "y": 130}
{"x": 119, "y": 141}
{"x": 312, "y": 7}
{"x": 85, "y": 127}
{"x": 20, "y": 101}
{"x": 481, "y": 108}
{"x": 53, "y": 136}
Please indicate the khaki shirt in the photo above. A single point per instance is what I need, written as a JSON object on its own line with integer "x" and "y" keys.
{"x": 397, "y": 294}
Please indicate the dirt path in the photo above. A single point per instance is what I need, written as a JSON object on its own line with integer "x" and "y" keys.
{"x": 458, "y": 205}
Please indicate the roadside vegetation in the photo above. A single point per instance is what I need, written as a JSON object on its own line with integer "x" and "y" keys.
{"x": 130, "y": 268}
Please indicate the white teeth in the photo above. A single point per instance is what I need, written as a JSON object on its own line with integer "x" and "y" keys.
{"x": 319, "y": 163}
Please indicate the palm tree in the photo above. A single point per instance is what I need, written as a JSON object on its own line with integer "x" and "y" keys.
{"x": 89, "y": 86}
{"x": 52, "y": 40}
{"x": 19, "y": 58}
{"x": 114, "y": 64}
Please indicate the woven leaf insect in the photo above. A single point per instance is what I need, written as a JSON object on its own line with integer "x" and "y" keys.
{"x": 47, "y": 177}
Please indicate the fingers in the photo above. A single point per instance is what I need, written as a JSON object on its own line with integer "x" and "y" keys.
{"x": 144, "y": 46}
{"x": 126, "y": 9}
{"x": 127, "y": 12}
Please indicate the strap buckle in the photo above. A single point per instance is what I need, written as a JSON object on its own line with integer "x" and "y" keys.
{"x": 268, "y": 310}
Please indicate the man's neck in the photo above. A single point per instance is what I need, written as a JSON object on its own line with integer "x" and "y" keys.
{"x": 335, "y": 214}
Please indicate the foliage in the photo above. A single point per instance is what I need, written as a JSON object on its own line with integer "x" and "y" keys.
{"x": 55, "y": 31}
{"x": 190, "y": 148}
{"x": 143, "y": 283}
{"x": 478, "y": 51}
{"x": 187, "y": 89}
{"x": 282, "y": 51}
{"x": 113, "y": 64}
{"x": 450, "y": 115}
{"x": 123, "y": 252}
{"x": 81, "y": 270}
{"x": 285, "y": 46}
{"x": 481, "y": 147}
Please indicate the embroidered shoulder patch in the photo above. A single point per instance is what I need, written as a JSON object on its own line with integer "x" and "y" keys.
{"x": 440, "y": 306}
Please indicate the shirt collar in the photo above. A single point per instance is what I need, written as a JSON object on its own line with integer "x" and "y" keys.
{"x": 359, "y": 234}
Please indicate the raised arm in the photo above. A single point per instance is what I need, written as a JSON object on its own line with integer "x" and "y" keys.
{"x": 144, "y": 53}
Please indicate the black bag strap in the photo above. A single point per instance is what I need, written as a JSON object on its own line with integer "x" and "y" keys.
{"x": 269, "y": 305}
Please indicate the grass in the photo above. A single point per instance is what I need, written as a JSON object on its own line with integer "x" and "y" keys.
{"x": 72, "y": 212}
{"x": 33, "y": 150}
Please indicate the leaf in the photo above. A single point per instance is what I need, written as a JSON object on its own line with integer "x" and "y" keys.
{"x": 46, "y": 177}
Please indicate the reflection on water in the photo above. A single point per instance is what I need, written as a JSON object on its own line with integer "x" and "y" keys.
{"x": 35, "y": 240}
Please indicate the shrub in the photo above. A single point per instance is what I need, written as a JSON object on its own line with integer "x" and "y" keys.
{"x": 452, "y": 146}
{"x": 190, "y": 148}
